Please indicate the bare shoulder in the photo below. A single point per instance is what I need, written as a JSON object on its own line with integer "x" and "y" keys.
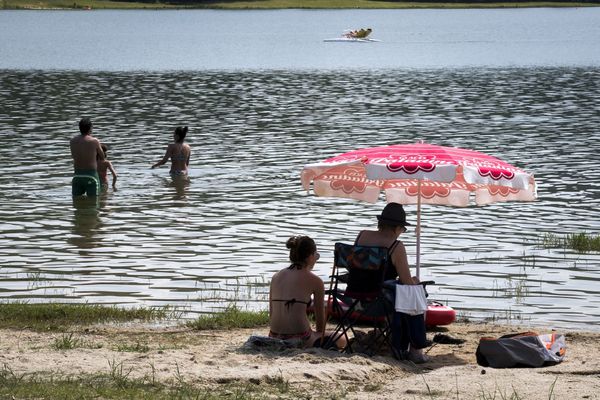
{"x": 366, "y": 236}
{"x": 315, "y": 279}
{"x": 399, "y": 250}
{"x": 276, "y": 275}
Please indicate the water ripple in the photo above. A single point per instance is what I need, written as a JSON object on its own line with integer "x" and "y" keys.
{"x": 221, "y": 236}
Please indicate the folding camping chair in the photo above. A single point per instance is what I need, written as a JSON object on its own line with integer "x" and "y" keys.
{"x": 356, "y": 294}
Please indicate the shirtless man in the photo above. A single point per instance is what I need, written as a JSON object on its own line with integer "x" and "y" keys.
{"x": 85, "y": 149}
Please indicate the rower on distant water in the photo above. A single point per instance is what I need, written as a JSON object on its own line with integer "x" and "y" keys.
{"x": 359, "y": 34}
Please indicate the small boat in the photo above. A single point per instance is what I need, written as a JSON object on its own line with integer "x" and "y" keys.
{"x": 437, "y": 314}
{"x": 351, "y": 40}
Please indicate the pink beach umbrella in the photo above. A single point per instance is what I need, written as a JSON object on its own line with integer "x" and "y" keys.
{"x": 420, "y": 173}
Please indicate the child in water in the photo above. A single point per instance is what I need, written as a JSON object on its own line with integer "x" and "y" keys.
{"x": 103, "y": 167}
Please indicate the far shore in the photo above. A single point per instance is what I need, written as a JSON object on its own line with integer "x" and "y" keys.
{"x": 274, "y": 4}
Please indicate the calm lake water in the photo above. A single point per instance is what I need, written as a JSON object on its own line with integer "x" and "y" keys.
{"x": 263, "y": 95}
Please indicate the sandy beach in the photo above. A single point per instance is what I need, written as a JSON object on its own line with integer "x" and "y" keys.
{"x": 213, "y": 358}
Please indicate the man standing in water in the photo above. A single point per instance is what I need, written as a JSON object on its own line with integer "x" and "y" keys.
{"x": 85, "y": 149}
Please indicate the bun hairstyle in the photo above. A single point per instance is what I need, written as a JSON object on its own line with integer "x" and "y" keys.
{"x": 301, "y": 247}
{"x": 181, "y": 132}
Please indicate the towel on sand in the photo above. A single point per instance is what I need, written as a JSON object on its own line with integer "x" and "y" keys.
{"x": 257, "y": 342}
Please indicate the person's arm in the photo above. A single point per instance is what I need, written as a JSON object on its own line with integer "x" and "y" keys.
{"x": 187, "y": 162}
{"x": 72, "y": 149}
{"x": 164, "y": 159}
{"x": 99, "y": 151}
{"x": 274, "y": 281}
{"x": 319, "y": 302}
{"x": 113, "y": 172}
{"x": 401, "y": 262}
{"x": 270, "y": 302}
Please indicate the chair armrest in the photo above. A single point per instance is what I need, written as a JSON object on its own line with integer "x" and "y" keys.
{"x": 343, "y": 278}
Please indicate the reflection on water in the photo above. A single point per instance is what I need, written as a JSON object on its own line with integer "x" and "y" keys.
{"x": 86, "y": 222}
{"x": 219, "y": 236}
{"x": 179, "y": 184}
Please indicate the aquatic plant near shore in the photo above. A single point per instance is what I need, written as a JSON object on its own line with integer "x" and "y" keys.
{"x": 582, "y": 242}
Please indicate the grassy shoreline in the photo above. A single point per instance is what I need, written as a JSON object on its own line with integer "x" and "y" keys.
{"x": 57, "y": 351}
{"x": 273, "y": 4}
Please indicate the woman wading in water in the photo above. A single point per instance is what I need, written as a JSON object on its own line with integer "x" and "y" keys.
{"x": 179, "y": 153}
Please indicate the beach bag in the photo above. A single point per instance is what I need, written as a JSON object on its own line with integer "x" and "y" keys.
{"x": 526, "y": 349}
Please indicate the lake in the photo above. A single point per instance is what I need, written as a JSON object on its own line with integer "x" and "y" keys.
{"x": 263, "y": 95}
{"x": 178, "y": 40}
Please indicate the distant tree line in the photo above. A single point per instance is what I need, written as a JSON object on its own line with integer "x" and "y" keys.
{"x": 189, "y": 2}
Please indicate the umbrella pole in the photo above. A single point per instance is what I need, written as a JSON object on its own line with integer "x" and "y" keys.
{"x": 418, "y": 229}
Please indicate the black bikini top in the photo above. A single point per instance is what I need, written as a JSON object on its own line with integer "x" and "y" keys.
{"x": 291, "y": 302}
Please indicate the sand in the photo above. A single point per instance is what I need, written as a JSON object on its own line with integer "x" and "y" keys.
{"x": 209, "y": 358}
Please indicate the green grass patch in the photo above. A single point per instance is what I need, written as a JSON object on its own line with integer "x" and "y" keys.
{"x": 580, "y": 242}
{"x": 230, "y": 318}
{"x": 67, "y": 342}
{"x": 118, "y": 385}
{"x": 55, "y": 316}
{"x": 137, "y": 347}
{"x": 276, "y": 4}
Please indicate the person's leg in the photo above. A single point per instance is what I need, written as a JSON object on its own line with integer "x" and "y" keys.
{"x": 77, "y": 187}
{"x": 416, "y": 331}
{"x": 417, "y": 337}
{"x": 327, "y": 340}
{"x": 93, "y": 187}
{"x": 400, "y": 335}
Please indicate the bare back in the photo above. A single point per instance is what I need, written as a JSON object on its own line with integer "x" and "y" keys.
{"x": 180, "y": 156}
{"x": 84, "y": 150}
{"x": 291, "y": 290}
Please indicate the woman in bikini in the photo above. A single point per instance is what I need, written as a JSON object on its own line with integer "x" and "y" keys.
{"x": 178, "y": 152}
{"x": 407, "y": 331}
{"x": 290, "y": 294}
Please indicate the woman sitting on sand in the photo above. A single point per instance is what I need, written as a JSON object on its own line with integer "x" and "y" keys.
{"x": 178, "y": 152}
{"x": 290, "y": 294}
{"x": 408, "y": 331}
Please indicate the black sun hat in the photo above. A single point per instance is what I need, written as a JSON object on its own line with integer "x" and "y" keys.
{"x": 393, "y": 214}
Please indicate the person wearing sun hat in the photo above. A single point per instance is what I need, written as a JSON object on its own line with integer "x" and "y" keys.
{"x": 408, "y": 332}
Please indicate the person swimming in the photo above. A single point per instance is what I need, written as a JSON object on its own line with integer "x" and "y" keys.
{"x": 179, "y": 153}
